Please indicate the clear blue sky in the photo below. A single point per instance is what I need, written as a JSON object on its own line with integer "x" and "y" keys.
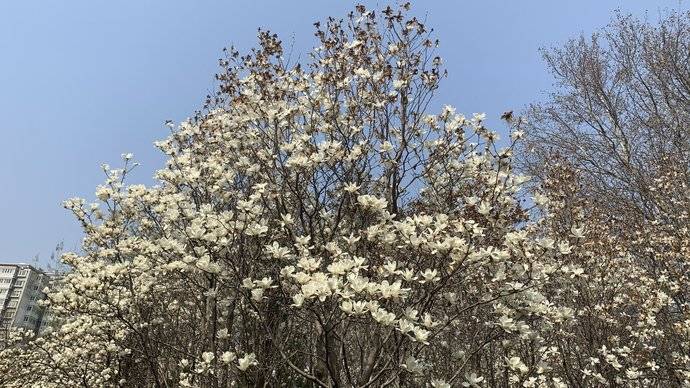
{"x": 82, "y": 82}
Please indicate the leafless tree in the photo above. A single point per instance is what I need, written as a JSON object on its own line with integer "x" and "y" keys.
{"x": 620, "y": 112}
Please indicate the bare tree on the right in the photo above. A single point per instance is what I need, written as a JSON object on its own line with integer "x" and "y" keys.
{"x": 620, "y": 111}
{"x": 610, "y": 147}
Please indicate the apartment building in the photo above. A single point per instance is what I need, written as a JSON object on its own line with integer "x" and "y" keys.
{"x": 21, "y": 288}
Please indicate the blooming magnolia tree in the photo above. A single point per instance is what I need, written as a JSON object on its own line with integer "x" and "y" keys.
{"x": 319, "y": 226}
{"x": 613, "y": 136}
{"x": 626, "y": 281}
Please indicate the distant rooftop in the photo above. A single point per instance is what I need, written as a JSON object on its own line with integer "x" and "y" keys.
{"x": 24, "y": 265}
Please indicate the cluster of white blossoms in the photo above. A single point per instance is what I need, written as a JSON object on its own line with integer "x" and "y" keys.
{"x": 321, "y": 227}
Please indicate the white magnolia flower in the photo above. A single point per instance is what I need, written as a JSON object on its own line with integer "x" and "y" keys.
{"x": 207, "y": 357}
{"x": 471, "y": 201}
{"x": 484, "y": 208}
{"x": 405, "y": 326}
{"x": 264, "y": 283}
{"x": 362, "y": 72}
{"x": 517, "y": 135}
{"x": 351, "y": 187}
{"x": 564, "y": 248}
{"x": 399, "y": 84}
{"x": 103, "y": 193}
{"x": 478, "y": 117}
{"x": 371, "y": 202}
{"x": 245, "y": 362}
{"x": 256, "y": 229}
{"x": 428, "y": 322}
{"x": 439, "y": 384}
{"x": 383, "y": 317}
{"x": 298, "y": 300}
{"x": 577, "y": 232}
{"x": 421, "y": 335}
{"x": 228, "y": 357}
{"x": 472, "y": 380}
{"x": 386, "y": 146}
{"x": 277, "y": 252}
{"x": 429, "y": 275}
{"x": 506, "y": 323}
{"x": 413, "y": 365}
{"x": 516, "y": 364}
{"x": 257, "y": 294}
{"x": 355, "y": 43}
